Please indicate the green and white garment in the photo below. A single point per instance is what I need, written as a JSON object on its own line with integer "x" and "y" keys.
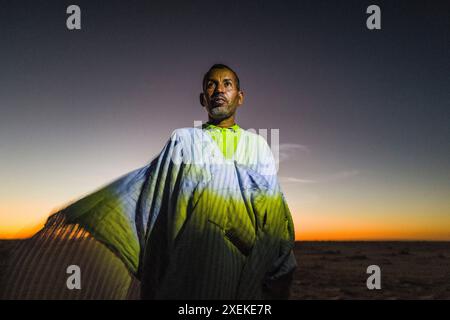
{"x": 205, "y": 219}
{"x": 227, "y": 139}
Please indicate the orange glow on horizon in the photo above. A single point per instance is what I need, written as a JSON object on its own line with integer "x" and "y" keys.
{"x": 348, "y": 234}
{"x": 372, "y": 235}
{"x": 317, "y": 224}
{"x": 24, "y": 233}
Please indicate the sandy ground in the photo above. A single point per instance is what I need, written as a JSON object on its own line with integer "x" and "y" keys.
{"x": 337, "y": 270}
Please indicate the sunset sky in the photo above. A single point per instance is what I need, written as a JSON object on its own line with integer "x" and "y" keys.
{"x": 363, "y": 115}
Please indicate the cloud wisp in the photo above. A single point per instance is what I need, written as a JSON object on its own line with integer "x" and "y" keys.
{"x": 340, "y": 175}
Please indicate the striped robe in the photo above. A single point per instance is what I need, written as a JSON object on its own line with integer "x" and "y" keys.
{"x": 191, "y": 224}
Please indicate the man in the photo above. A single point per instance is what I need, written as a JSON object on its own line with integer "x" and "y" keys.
{"x": 206, "y": 219}
{"x": 230, "y": 235}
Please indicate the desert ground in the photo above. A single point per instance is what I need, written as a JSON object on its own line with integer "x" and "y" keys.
{"x": 338, "y": 270}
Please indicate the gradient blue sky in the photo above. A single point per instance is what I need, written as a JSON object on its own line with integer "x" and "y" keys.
{"x": 363, "y": 115}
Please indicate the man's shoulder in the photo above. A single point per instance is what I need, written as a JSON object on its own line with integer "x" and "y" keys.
{"x": 252, "y": 137}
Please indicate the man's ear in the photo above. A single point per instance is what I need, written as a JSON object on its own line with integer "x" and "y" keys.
{"x": 202, "y": 99}
{"x": 240, "y": 97}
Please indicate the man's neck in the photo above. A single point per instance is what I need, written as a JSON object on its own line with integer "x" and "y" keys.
{"x": 225, "y": 123}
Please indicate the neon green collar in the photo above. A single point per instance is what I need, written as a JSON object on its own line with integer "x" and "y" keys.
{"x": 210, "y": 126}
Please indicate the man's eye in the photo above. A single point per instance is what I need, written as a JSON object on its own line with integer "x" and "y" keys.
{"x": 210, "y": 84}
{"x": 227, "y": 84}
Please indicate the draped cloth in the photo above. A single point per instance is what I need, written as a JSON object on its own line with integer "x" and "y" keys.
{"x": 191, "y": 224}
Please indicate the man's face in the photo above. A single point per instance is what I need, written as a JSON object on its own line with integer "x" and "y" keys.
{"x": 221, "y": 96}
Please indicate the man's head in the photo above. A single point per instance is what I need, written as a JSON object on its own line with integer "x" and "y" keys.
{"x": 221, "y": 93}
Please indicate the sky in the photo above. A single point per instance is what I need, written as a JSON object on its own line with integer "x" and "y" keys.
{"x": 363, "y": 115}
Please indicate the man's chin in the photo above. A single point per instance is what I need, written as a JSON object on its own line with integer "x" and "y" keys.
{"x": 219, "y": 113}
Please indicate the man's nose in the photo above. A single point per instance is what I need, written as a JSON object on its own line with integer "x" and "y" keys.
{"x": 219, "y": 88}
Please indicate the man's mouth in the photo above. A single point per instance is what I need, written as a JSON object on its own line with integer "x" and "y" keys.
{"x": 218, "y": 100}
